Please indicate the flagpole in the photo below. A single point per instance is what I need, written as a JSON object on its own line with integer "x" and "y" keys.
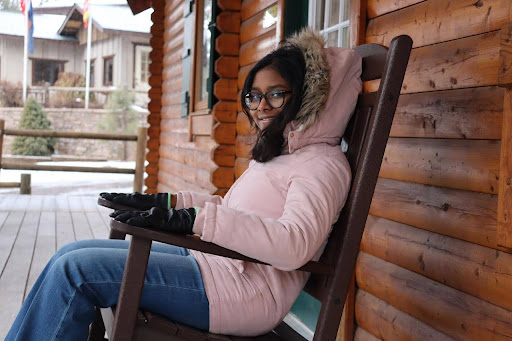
{"x": 25, "y": 53}
{"x": 88, "y": 66}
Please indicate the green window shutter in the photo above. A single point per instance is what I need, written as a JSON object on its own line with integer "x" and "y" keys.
{"x": 186, "y": 57}
{"x": 295, "y": 16}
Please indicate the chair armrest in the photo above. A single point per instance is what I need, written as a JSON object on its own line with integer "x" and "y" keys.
{"x": 194, "y": 242}
{"x": 109, "y": 204}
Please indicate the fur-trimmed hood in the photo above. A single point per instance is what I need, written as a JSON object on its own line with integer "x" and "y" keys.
{"x": 332, "y": 84}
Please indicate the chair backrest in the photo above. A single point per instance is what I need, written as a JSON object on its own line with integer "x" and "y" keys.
{"x": 366, "y": 136}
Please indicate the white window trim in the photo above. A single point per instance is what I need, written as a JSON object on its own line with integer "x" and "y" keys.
{"x": 339, "y": 26}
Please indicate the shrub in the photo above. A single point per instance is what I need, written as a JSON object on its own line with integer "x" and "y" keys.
{"x": 69, "y": 98}
{"x": 33, "y": 117}
{"x": 11, "y": 94}
{"x": 120, "y": 118}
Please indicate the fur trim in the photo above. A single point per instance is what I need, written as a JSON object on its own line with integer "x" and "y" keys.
{"x": 316, "y": 81}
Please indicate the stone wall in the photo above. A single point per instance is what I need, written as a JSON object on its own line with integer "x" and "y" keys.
{"x": 79, "y": 120}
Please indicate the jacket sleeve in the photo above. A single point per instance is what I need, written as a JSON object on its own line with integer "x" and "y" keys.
{"x": 317, "y": 191}
{"x": 192, "y": 199}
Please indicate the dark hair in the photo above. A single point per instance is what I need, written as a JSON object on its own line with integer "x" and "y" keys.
{"x": 290, "y": 64}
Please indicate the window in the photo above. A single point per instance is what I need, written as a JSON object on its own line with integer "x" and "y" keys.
{"x": 141, "y": 76}
{"x": 108, "y": 70}
{"x": 331, "y": 17}
{"x": 144, "y": 66}
{"x": 197, "y": 56}
{"x": 46, "y": 71}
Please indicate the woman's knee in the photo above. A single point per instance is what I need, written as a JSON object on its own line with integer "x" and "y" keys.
{"x": 72, "y": 247}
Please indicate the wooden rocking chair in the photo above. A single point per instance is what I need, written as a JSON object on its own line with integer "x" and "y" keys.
{"x": 366, "y": 137}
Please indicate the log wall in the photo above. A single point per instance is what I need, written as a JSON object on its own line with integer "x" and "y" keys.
{"x": 433, "y": 264}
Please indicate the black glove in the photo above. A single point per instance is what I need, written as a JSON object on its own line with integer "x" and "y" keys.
{"x": 175, "y": 221}
{"x": 137, "y": 200}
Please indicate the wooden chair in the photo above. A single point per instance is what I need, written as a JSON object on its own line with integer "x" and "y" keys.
{"x": 366, "y": 135}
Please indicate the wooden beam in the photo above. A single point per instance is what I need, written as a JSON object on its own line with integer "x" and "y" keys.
{"x": 251, "y": 7}
{"x": 474, "y": 269}
{"x": 381, "y": 318}
{"x": 381, "y": 7}
{"x": 465, "y": 215}
{"x": 357, "y": 22}
{"x": 254, "y": 27}
{"x": 435, "y": 21}
{"x": 258, "y": 48}
{"x": 505, "y": 66}
{"x": 472, "y": 165}
{"x": 474, "y": 113}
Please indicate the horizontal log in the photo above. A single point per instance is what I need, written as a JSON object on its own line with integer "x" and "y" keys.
{"x": 226, "y": 67}
{"x": 227, "y": 44}
{"x": 474, "y": 113}
{"x": 242, "y": 74}
{"x": 168, "y": 182}
{"x": 155, "y": 81}
{"x": 462, "y": 63}
{"x": 152, "y": 169}
{"x": 258, "y": 48}
{"x": 173, "y": 9}
{"x": 224, "y": 133}
{"x": 157, "y": 29}
{"x": 244, "y": 144}
{"x": 224, "y": 155}
{"x": 382, "y": 319}
{"x": 450, "y": 311}
{"x": 258, "y": 24}
{"x": 363, "y": 335}
{"x": 476, "y": 270}
{"x": 228, "y": 22}
{"x": 154, "y": 118}
{"x": 153, "y": 156}
{"x": 153, "y": 131}
{"x": 380, "y": 7}
{"x": 225, "y": 89}
{"x": 251, "y": 7}
{"x": 195, "y": 158}
{"x": 8, "y": 165}
{"x": 190, "y": 174}
{"x": 464, "y": 215}
{"x": 155, "y": 105}
{"x": 241, "y": 164}
{"x": 225, "y": 116}
{"x": 9, "y": 184}
{"x": 156, "y": 54}
{"x": 156, "y": 42}
{"x": 176, "y": 125}
{"x": 436, "y": 21}
{"x": 151, "y": 181}
{"x": 170, "y": 111}
{"x": 173, "y": 42}
{"x": 243, "y": 125}
{"x": 201, "y": 124}
{"x": 223, "y": 177}
{"x": 69, "y": 134}
{"x": 229, "y": 5}
{"x": 155, "y": 93}
{"x": 181, "y": 140}
{"x": 225, "y": 106}
{"x": 472, "y": 165}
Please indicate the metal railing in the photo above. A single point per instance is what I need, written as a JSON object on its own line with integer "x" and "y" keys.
{"x": 138, "y": 172}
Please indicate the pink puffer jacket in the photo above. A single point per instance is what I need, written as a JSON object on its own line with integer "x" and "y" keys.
{"x": 281, "y": 211}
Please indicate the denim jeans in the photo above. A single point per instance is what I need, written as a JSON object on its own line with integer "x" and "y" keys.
{"x": 88, "y": 273}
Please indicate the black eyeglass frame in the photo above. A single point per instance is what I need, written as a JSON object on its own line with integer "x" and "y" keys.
{"x": 260, "y": 96}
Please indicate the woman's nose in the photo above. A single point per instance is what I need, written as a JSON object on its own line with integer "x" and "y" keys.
{"x": 264, "y": 104}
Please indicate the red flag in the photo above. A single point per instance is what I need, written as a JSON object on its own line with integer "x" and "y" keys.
{"x": 23, "y": 6}
{"x": 85, "y": 12}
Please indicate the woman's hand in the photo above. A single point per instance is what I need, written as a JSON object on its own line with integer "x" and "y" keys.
{"x": 141, "y": 201}
{"x": 175, "y": 221}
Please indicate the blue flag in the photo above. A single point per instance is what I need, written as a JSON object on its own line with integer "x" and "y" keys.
{"x": 30, "y": 28}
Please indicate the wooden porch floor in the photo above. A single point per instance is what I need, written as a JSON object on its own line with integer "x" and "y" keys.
{"x": 32, "y": 228}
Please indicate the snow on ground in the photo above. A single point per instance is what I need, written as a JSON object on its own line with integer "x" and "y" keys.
{"x": 73, "y": 183}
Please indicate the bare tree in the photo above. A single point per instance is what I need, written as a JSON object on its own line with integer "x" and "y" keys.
{"x": 10, "y": 5}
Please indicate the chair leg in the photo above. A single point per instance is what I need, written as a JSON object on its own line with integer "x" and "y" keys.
{"x": 97, "y": 330}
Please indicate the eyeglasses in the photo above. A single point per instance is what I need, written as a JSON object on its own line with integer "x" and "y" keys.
{"x": 274, "y": 98}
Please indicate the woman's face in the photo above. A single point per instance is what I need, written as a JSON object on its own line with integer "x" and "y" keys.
{"x": 268, "y": 81}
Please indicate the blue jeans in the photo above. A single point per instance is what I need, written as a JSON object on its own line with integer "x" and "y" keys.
{"x": 88, "y": 273}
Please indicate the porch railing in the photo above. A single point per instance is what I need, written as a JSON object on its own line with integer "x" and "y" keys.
{"x": 138, "y": 172}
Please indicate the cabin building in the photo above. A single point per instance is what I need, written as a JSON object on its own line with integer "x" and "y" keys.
{"x": 435, "y": 260}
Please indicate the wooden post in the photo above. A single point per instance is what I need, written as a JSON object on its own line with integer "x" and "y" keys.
{"x": 2, "y": 126}
{"x": 140, "y": 158}
{"x": 504, "y": 235}
{"x": 25, "y": 184}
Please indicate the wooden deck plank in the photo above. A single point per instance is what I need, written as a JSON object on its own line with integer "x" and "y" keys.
{"x": 81, "y": 226}
{"x": 50, "y": 203}
{"x": 8, "y": 235}
{"x": 20, "y": 203}
{"x": 65, "y": 233}
{"x": 88, "y": 203}
{"x": 35, "y": 203}
{"x": 99, "y": 229}
{"x": 15, "y": 274}
{"x": 44, "y": 248}
{"x": 75, "y": 204}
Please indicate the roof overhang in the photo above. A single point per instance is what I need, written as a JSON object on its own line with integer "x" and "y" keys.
{"x": 138, "y": 6}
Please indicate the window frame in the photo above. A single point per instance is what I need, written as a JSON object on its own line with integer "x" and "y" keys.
{"x": 336, "y": 27}
{"x": 105, "y": 59}
{"x": 35, "y": 60}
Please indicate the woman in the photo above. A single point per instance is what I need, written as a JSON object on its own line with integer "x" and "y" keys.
{"x": 299, "y": 98}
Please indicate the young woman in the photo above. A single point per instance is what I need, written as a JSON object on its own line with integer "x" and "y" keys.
{"x": 299, "y": 99}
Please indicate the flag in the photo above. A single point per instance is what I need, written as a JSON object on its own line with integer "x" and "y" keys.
{"x": 85, "y": 13}
{"x": 30, "y": 27}
{"x": 22, "y": 5}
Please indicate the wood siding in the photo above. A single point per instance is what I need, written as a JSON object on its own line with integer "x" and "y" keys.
{"x": 433, "y": 265}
